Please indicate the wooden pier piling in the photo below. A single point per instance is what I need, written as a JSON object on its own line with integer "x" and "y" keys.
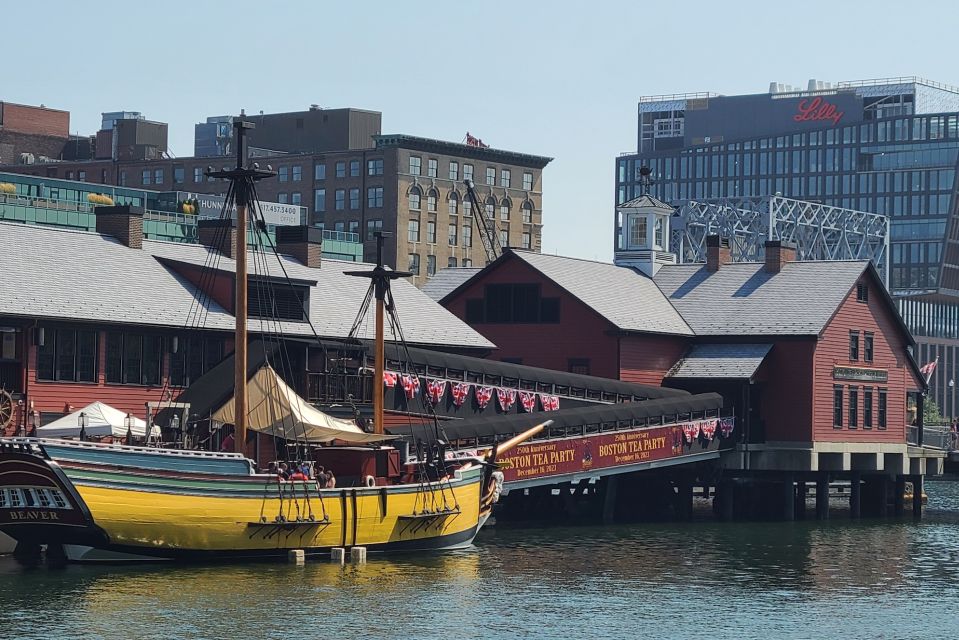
{"x": 358, "y": 555}
{"x": 338, "y": 555}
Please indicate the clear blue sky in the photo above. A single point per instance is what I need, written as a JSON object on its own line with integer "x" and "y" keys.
{"x": 559, "y": 79}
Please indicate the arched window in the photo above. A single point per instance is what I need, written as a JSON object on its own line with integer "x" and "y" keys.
{"x": 504, "y": 207}
{"x": 454, "y": 203}
{"x": 431, "y": 197}
{"x": 527, "y": 211}
{"x": 415, "y": 194}
{"x": 491, "y": 207}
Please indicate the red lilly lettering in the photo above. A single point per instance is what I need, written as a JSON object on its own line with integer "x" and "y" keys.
{"x": 810, "y": 110}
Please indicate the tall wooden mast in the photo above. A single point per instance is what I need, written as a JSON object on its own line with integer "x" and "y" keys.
{"x": 243, "y": 195}
{"x": 380, "y": 277}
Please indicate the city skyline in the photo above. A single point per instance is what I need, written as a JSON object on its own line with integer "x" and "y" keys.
{"x": 506, "y": 74}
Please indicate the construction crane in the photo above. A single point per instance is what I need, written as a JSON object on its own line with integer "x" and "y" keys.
{"x": 485, "y": 226}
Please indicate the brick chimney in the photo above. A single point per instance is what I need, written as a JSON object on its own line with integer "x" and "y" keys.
{"x": 305, "y": 243}
{"x": 717, "y": 252}
{"x": 123, "y": 222}
{"x": 778, "y": 253}
{"x": 219, "y": 235}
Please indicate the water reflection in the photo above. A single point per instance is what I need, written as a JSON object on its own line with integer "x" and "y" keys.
{"x": 695, "y": 580}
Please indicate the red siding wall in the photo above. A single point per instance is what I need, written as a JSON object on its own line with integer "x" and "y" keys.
{"x": 786, "y": 382}
{"x": 646, "y": 359}
{"x": 889, "y": 354}
{"x": 580, "y": 333}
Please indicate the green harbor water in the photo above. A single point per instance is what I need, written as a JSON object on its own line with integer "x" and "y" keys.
{"x": 869, "y": 579}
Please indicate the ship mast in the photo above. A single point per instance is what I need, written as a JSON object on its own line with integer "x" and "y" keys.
{"x": 242, "y": 179}
{"x": 380, "y": 284}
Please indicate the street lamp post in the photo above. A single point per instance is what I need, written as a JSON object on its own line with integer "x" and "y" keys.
{"x": 84, "y": 421}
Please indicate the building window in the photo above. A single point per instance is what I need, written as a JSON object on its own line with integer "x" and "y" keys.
{"x": 881, "y": 410}
{"x": 146, "y": 176}
{"x": 283, "y": 174}
{"x": 453, "y": 204}
{"x": 451, "y": 237}
{"x": 123, "y": 178}
{"x": 354, "y": 226}
{"x": 354, "y": 168}
{"x": 578, "y": 366}
{"x": 319, "y": 172}
{"x": 854, "y": 346}
{"x": 192, "y": 358}
{"x": 430, "y": 266}
{"x": 158, "y": 176}
{"x": 867, "y": 408}
{"x": 504, "y": 236}
{"x": 837, "y": 406}
{"x": 414, "y": 199}
{"x": 340, "y": 169}
{"x": 296, "y": 198}
{"x": 297, "y": 173}
{"x": 133, "y": 358}
{"x": 197, "y": 174}
{"x": 467, "y": 235}
{"x": 431, "y": 231}
{"x": 373, "y": 226}
{"x": 504, "y": 209}
{"x": 339, "y": 226}
{"x": 69, "y": 175}
{"x": 68, "y": 355}
{"x": 512, "y": 303}
{"x": 527, "y": 211}
{"x": 431, "y": 198}
{"x": 490, "y": 206}
{"x": 340, "y": 199}
{"x": 504, "y": 178}
{"x": 414, "y": 264}
{"x": 491, "y": 175}
{"x": 415, "y": 162}
{"x": 467, "y": 262}
{"x": 862, "y": 292}
{"x": 454, "y": 170}
{"x": 413, "y": 231}
{"x": 527, "y": 181}
{"x": 179, "y": 175}
{"x": 282, "y": 198}
{"x": 279, "y": 301}
{"x": 467, "y": 208}
{"x": 374, "y": 167}
{"x": 451, "y": 261}
{"x": 467, "y": 172}
{"x": 527, "y": 240}
{"x": 853, "y": 407}
{"x": 319, "y": 200}
{"x": 82, "y": 176}
{"x": 374, "y": 197}
{"x": 431, "y": 167}
{"x": 354, "y": 198}
{"x": 867, "y": 350}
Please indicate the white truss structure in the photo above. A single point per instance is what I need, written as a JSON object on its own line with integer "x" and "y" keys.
{"x": 820, "y": 232}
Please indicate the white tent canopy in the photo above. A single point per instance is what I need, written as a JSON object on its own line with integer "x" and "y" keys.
{"x": 276, "y": 409}
{"x": 102, "y": 420}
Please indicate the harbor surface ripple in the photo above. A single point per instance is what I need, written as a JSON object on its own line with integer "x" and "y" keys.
{"x": 872, "y": 579}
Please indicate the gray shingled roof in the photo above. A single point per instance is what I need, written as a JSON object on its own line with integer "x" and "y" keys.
{"x": 743, "y": 299}
{"x": 627, "y": 298}
{"x": 445, "y": 280}
{"x": 644, "y": 200}
{"x": 78, "y": 275}
{"x": 720, "y": 361}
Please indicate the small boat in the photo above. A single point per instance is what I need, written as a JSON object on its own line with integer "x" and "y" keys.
{"x": 115, "y": 502}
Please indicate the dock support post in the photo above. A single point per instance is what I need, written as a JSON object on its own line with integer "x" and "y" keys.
{"x": 788, "y": 498}
{"x": 917, "y": 496}
{"x": 882, "y": 488}
{"x": 296, "y": 556}
{"x": 338, "y": 555}
{"x": 800, "y": 504}
{"x": 609, "y": 499}
{"x": 855, "y": 495}
{"x": 898, "y": 501}
{"x": 684, "y": 499}
{"x": 726, "y": 500}
{"x": 822, "y": 497}
{"x": 358, "y": 555}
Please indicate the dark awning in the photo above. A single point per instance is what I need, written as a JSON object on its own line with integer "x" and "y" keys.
{"x": 595, "y": 414}
{"x": 729, "y": 361}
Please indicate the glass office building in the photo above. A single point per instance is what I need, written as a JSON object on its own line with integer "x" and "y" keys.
{"x": 887, "y": 146}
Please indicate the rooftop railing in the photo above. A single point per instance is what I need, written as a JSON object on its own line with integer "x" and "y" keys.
{"x": 878, "y": 82}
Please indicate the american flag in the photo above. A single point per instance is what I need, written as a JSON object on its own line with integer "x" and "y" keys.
{"x": 928, "y": 369}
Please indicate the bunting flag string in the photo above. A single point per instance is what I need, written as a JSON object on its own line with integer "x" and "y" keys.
{"x": 389, "y": 378}
{"x": 726, "y": 426}
{"x": 507, "y": 398}
{"x": 411, "y": 385}
{"x": 709, "y": 428}
{"x": 483, "y": 395}
{"x": 435, "y": 389}
{"x": 691, "y": 431}
{"x": 550, "y": 403}
{"x": 460, "y": 390}
{"x": 528, "y": 400}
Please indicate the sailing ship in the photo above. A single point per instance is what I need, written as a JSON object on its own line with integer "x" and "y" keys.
{"x": 116, "y": 502}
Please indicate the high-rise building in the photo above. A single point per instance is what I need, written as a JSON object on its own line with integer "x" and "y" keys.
{"x": 886, "y": 146}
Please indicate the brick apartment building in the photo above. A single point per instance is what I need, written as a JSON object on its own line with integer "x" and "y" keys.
{"x": 350, "y": 178}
